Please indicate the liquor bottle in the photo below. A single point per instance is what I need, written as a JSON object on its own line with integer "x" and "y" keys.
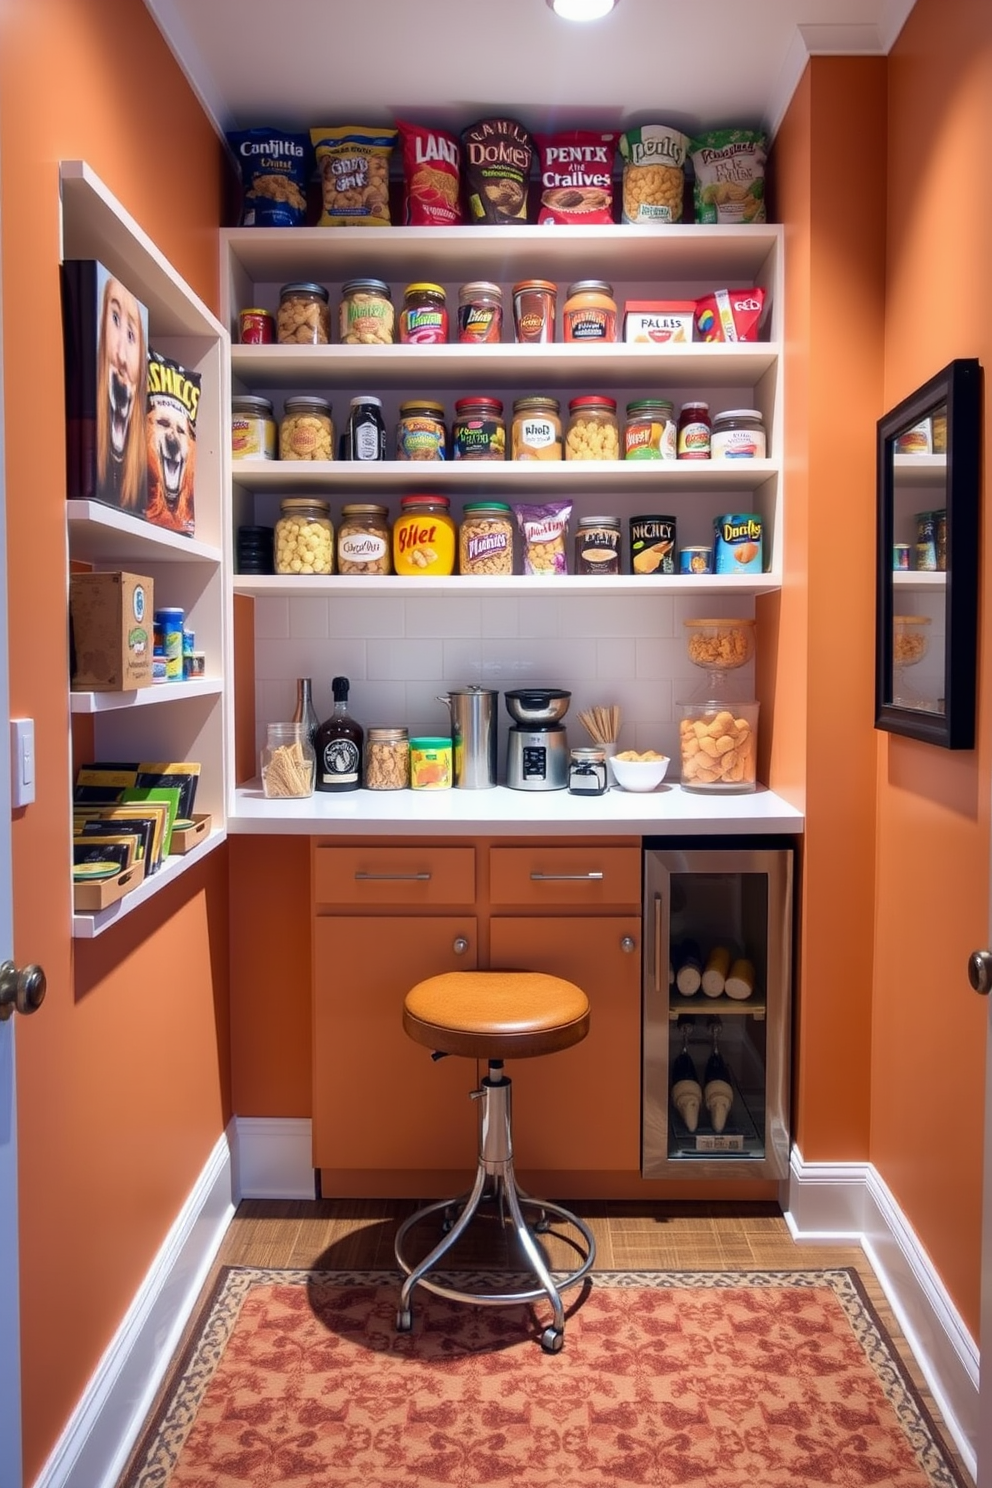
{"x": 718, "y": 1092}
{"x": 305, "y": 712}
{"x": 339, "y": 745}
{"x": 687, "y": 1093}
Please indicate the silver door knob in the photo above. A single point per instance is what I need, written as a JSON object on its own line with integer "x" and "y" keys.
{"x": 628, "y": 944}
{"x": 21, "y": 990}
{"x": 459, "y": 945}
{"x": 980, "y": 971}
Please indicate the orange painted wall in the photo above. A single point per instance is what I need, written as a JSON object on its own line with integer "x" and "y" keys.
{"x": 123, "y": 1075}
{"x": 932, "y": 883}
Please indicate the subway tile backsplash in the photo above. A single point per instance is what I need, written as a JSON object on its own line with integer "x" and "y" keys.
{"x": 399, "y": 654}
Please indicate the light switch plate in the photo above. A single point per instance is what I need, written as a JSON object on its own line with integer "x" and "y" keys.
{"x": 21, "y": 761}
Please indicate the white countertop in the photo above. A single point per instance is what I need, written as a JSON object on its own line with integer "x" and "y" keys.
{"x": 668, "y": 810}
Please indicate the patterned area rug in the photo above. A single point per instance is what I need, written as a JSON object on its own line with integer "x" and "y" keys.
{"x": 298, "y": 1379}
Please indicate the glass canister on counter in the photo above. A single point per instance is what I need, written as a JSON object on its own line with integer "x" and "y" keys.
{"x": 288, "y": 761}
{"x": 387, "y": 759}
{"x": 304, "y": 537}
{"x": 480, "y": 312}
{"x": 650, "y": 431}
{"x": 719, "y": 745}
{"x": 303, "y": 317}
{"x": 424, "y": 537}
{"x": 593, "y": 431}
{"x": 421, "y": 432}
{"x": 365, "y": 314}
{"x": 306, "y": 431}
{"x": 535, "y": 433}
{"x": 424, "y": 317}
{"x": 478, "y": 430}
{"x": 364, "y": 542}
{"x": 253, "y": 428}
{"x": 587, "y": 771}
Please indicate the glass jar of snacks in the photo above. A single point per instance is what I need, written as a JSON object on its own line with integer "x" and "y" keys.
{"x": 597, "y": 545}
{"x": 364, "y": 540}
{"x": 387, "y": 759}
{"x": 306, "y": 431}
{"x": 424, "y": 537}
{"x": 365, "y": 315}
{"x": 650, "y": 431}
{"x": 593, "y": 431}
{"x": 253, "y": 428}
{"x": 420, "y": 432}
{"x": 303, "y": 317}
{"x": 478, "y": 430}
{"x": 718, "y": 743}
{"x": 485, "y": 539}
{"x": 288, "y": 761}
{"x": 424, "y": 317}
{"x": 480, "y": 312}
{"x": 536, "y": 430}
{"x": 590, "y": 312}
{"x": 304, "y": 540}
{"x": 719, "y": 645}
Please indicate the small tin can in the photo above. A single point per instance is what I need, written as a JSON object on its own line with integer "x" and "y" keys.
{"x": 430, "y": 764}
{"x": 169, "y": 622}
{"x": 195, "y": 665}
{"x": 257, "y": 326}
{"x": 926, "y": 542}
{"x": 696, "y": 560}
{"x": 597, "y": 545}
{"x": 587, "y": 771}
{"x": 652, "y": 545}
{"x": 900, "y": 557}
{"x": 737, "y": 546}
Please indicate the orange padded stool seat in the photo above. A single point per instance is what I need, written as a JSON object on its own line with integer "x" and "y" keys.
{"x": 492, "y": 1016}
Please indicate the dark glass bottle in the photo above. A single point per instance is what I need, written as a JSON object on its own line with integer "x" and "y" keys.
{"x": 339, "y": 745}
{"x": 718, "y": 1091}
{"x": 366, "y": 431}
{"x": 305, "y": 712}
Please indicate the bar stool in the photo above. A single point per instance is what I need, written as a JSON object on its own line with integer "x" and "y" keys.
{"x": 494, "y": 1015}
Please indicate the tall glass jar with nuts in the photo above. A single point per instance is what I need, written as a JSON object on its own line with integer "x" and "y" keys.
{"x": 304, "y": 537}
{"x": 364, "y": 540}
{"x": 387, "y": 759}
{"x": 303, "y": 317}
{"x": 306, "y": 431}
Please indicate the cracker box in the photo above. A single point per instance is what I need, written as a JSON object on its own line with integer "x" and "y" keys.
{"x": 110, "y": 617}
{"x": 173, "y": 401}
{"x": 105, "y": 339}
{"x": 658, "y": 322}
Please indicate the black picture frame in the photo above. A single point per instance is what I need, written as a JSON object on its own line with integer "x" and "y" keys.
{"x": 950, "y": 592}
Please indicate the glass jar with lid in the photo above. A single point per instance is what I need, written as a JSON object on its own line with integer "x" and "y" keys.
{"x": 421, "y": 432}
{"x": 480, "y": 312}
{"x": 288, "y": 761}
{"x": 536, "y": 430}
{"x": 365, "y": 315}
{"x": 253, "y": 428}
{"x": 593, "y": 431}
{"x": 387, "y": 759}
{"x": 587, "y": 771}
{"x": 478, "y": 430}
{"x": 650, "y": 431}
{"x": 304, "y": 538}
{"x": 364, "y": 540}
{"x": 485, "y": 538}
{"x": 306, "y": 431}
{"x": 424, "y": 537}
{"x": 590, "y": 311}
{"x": 738, "y": 434}
{"x": 303, "y": 317}
{"x": 694, "y": 432}
{"x": 424, "y": 317}
{"x": 597, "y": 545}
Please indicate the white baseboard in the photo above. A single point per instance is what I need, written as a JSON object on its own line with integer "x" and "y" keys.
{"x": 848, "y": 1203}
{"x": 273, "y": 1158}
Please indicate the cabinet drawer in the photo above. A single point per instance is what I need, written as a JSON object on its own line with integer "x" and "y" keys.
{"x": 584, "y": 875}
{"x": 393, "y": 875}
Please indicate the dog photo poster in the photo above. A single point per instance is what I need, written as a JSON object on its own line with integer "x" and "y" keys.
{"x": 173, "y": 400}
{"x": 105, "y": 333}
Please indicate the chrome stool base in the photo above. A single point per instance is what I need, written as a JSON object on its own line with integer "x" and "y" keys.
{"x": 495, "y": 1164}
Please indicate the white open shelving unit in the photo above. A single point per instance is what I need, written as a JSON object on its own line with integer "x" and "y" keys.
{"x": 170, "y": 721}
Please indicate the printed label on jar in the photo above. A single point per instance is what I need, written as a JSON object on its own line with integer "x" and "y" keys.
{"x": 479, "y": 439}
{"x": 252, "y": 439}
{"x": 597, "y": 550}
{"x": 536, "y": 439}
{"x": 480, "y": 323}
{"x": 362, "y": 548}
{"x": 590, "y": 325}
{"x": 654, "y": 441}
{"x": 694, "y": 441}
{"x": 737, "y": 444}
{"x": 424, "y": 327}
{"x": 367, "y": 320}
{"x": 486, "y": 546}
{"x": 419, "y": 438}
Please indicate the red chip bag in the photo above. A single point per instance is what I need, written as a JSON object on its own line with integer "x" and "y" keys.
{"x": 729, "y": 315}
{"x": 577, "y": 176}
{"x": 431, "y": 177}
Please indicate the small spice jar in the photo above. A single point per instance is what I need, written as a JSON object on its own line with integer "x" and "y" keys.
{"x": 253, "y": 428}
{"x": 485, "y": 539}
{"x": 420, "y": 432}
{"x": 590, "y": 312}
{"x": 387, "y": 759}
{"x": 288, "y": 761}
{"x": 478, "y": 430}
{"x": 303, "y": 317}
{"x": 593, "y": 431}
{"x": 694, "y": 432}
{"x": 424, "y": 317}
{"x": 738, "y": 434}
{"x": 365, "y": 315}
{"x": 304, "y": 540}
{"x": 424, "y": 537}
{"x": 306, "y": 431}
{"x": 535, "y": 302}
{"x": 480, "y": 312}
{"x": 587, "y": 771}
{"x": 535, "y": 433}
{"x": 650, "y": 431}
{"x": 364, "y": 545}
{"x": 256, "y": 326}
{"x": 597, "y": 545}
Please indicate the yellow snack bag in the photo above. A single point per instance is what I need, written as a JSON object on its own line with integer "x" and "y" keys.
{"x": 354, "y": 175}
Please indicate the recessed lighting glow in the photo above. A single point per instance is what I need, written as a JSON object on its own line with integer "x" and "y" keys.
{"x": 582, "y": 10}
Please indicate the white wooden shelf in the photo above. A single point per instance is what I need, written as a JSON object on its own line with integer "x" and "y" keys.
{"x": 103, "y": 536}
{"x": 88, "y": 926}
{"x": 901, "y": 579}
{"x": 396, "y": 586}
{"x": 919, "y": 470}
{"x": 160, "y": 694}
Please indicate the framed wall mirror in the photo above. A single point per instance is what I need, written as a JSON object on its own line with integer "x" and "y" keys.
{"x": 928, "y": 475}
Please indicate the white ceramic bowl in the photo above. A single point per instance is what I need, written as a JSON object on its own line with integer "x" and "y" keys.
{"x": 638, "y": 775}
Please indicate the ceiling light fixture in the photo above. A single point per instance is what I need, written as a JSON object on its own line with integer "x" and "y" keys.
{"x": 582, "y": 10}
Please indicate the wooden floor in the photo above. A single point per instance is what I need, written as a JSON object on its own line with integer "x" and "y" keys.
{"x": 358, "y": 1234}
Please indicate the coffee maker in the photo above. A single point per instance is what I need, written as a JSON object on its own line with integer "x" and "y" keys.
{"x": 537, "y": 745}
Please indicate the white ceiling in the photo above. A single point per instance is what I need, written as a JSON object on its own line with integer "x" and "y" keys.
{"x": 694, "y": 64}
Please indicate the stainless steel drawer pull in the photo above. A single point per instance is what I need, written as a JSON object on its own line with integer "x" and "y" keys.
{"x": 392, "y": 877}
{"x": 566, "y": 877}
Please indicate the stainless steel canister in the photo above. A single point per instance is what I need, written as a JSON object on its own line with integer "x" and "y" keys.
{"x": 473, "y": 732}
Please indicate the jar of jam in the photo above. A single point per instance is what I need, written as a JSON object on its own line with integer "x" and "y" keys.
{"x": 535, "y": 303}
{"x": 424, "y": 537}
{"x": 257, "y": 326}
{"x": 478, "y": 430}
{"x": 420, "y": 432}
{"x": 738, "y": 434}
{"x": 303, "y": 317}
{"x": 480, "y": 312}
{"x": 650, "y": 432}
{"x": 694, "y": 432}
{"x": 304, "y": 539}
{"x": 306, "y": 431}
{"x": 536, "y": 430}
{"x": 253, "y": 429}
{"x": 387, "y": 759}
{"x": 366, "y": 435}
{"x": 597, "y": 545}
{"x": 590, "y": 311}
{"x": 424, "y": 317}
{"x": 593, "y": 432}
{"x": 364, "y": 545}
{"x": 365, "y": 314}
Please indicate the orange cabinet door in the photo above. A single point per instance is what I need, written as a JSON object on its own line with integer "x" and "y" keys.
{"x": 580, "y": 1108}
{"x": 379, "y": 1100}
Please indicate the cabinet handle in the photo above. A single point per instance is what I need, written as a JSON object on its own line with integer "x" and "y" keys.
{"x": 657, "y": 942}
{"x": 628, "y": 944}
{"x": 459, "y": 945}
{"x": 565, "y": 877}
{"x": 392, "y": 877}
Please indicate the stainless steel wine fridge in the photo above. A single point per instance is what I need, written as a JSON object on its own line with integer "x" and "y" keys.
{"x": 717, "y": 1009}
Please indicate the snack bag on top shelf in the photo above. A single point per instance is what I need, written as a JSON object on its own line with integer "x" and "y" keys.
{"x": 354, "y": 175}
{"x": 431, "y": 176}
{"x": 729, "y": 166}
{"x": 275, "y": 167}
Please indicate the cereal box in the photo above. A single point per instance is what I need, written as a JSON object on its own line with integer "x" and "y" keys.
{"x": 658, "y": 322}
{"x": 737, "y": 543}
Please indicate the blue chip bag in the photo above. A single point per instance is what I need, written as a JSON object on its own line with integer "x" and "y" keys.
{"x": 275, "y": 170}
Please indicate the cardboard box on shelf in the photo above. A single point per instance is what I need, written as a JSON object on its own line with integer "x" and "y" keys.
{"x": 88, "y": 898}
{"x": 110, "y": 616}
